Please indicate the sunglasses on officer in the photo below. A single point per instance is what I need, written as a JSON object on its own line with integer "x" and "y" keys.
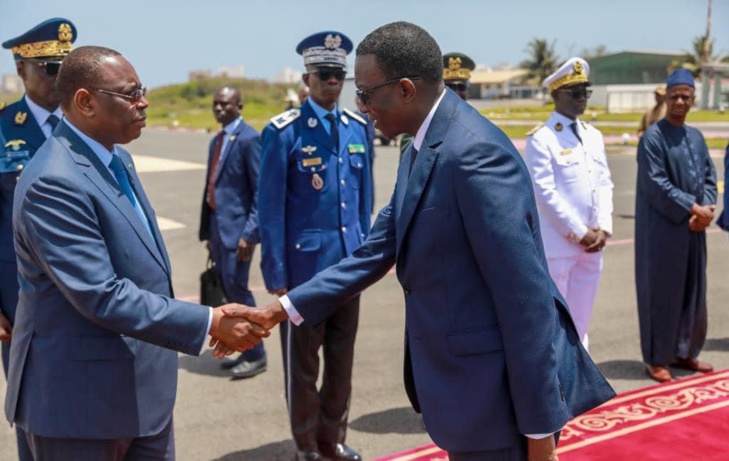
{"x": 51, "y": 67}
{"x": 577, "y": 93}
{"x": 326, "y": 74}
{"x": 458, "y": 86}
{"x": 134, "y": 96}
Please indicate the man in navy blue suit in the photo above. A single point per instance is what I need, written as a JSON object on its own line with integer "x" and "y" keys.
{"x": 229, "y": 218}
{"x": 26, "y": 124}
{"x": 492, "y": 357}
{"x": 315, "y": 205}
{"x": 93, "y": 362}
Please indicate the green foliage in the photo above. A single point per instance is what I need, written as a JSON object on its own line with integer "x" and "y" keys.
{"x": 542, "y": 59}
{"x": 190, "y": 104}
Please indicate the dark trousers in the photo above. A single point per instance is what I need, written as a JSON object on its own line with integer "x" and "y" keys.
{"x": 8, "y": 303}
{"x": 319, "y": 416}
{"x": 234, "y": 275}
{"x": 517, "y": 452}
{"x": 159, "y": 447}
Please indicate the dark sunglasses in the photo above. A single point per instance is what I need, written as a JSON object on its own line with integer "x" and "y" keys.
{"x": 364, "y": 94}
{"x": 578, "y": 93}
{"x": 134, "y": 96}
{"x": 326, "y": 74}
{"x": 51, "y": 67}
{"x": 458, "y": 86}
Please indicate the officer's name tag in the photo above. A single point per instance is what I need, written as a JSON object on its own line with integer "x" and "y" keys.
{"x": 565, "y": 152}
{"x": 356, "y": 148}
{"x": 311, "y": 161}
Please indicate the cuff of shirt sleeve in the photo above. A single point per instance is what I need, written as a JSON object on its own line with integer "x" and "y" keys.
{"x": 577, "y": 235}
{"x": 537, "y": 436}
{"x": 210, "y": 324}
{"x": 291, "y": 311}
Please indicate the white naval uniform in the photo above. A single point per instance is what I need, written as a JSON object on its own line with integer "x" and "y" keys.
{"x": 574, "y": 192}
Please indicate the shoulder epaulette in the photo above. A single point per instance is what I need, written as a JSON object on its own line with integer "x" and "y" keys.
{"x": 2, "y": 105}
{"x": 284, "y": 119}
{"x": 354, "y": 116}
{"x": 535, "y": 129}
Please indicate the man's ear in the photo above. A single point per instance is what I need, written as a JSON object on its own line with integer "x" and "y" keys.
{"x": 407, "y": 89}
{"x": 305, "y": 79}
{"x": 84, "y": 103}
{"x": 20, "y": 68}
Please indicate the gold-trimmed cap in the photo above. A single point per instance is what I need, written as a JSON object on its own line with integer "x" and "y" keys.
{"x": 573, "y": 71}
{"x": 457, "y": 66}
{"x": 51, "y": 38}
{"x": 328, "y": 48}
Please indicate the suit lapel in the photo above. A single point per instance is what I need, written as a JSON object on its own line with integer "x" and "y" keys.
{"x": 224, "y": 154}
{"x": 102, "y": 178}
{"x": 410, "y": 189}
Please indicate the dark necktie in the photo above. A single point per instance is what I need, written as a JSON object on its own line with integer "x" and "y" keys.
{"x": 53, "y": 121}
{"x": 573, "y": 125}
{"x": 413, "y": 154}
{"x": 214, "y": 168}
{"x": 333, "y": 131}
{"x": 122, "y": 178}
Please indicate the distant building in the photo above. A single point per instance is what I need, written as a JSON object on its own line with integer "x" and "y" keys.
{"x": 500, "y": 84}
{"x": 199, "y": 74}
{"x": 288, "y": 75}
{"x": 11, "y": 83}
{"x": 631, "y": 67}
{"x": 232, "y": 72}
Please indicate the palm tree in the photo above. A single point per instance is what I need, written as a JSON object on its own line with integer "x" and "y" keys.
{"x": 542, "y": 59}
{"x": 702, "y": 51}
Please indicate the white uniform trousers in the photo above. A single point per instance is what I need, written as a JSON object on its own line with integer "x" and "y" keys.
{"x": 577, "y": 278}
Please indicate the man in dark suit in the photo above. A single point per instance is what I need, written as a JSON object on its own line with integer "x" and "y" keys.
{"x": 229, "y": 218}
{"x": 93, "y": 362}
{"x": 492, "y": 357}
{"x": 314, "y": 210}
{"x": 26, "y": 124}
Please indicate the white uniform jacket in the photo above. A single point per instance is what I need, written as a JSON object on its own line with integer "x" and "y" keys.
{"x": 572, "y": 183}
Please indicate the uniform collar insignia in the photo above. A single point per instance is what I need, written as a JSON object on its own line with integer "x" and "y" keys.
{"x": 308, "y": 149}
{"x": 15, "y": 144}
{"x": 20, "y": 118}
{"x": 558, "y": 126}
{"x": 312, "y": 122}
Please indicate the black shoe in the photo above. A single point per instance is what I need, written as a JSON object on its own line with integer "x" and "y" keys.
{"x": 227, "y": 364}
{"x": 339, "y": 451}
{"x": 308, "y": 456}
{"x": 248, "y": 369}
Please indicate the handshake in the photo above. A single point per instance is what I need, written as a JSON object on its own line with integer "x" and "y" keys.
{"x": 236, "y": 327}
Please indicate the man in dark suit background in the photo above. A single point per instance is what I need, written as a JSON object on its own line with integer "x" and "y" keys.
{"x": 492, "y": 357}
{"x": 26, "y": 124}
{"x": 229, "y": 218}
{"x": 93, "y": 362}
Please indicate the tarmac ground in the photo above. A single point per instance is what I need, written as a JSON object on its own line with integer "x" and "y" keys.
{"x": 220, "y": 419}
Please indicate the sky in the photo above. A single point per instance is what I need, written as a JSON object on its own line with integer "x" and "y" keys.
{"x": 164, "y": 39}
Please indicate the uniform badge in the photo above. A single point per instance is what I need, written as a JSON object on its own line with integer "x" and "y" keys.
{"x": 20, "y": 118}
{"x": 308, "y": 150}
{"x": 316, "y": 181}
{"x": 356, "y": 148}
{"x": 2, "y": 105}
{"x": 307, "y": 162}
{"x": 65, "y": 33}
{"x": 344, "y": 119}
{"x": 558, "y": 127}
{"x": 312, "y": 122}
{"x": 15, "y": 144}
{"x": 231, "y": 138}
{"x": 565, "y": 152}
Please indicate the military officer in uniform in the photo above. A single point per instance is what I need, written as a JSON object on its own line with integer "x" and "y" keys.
{"x": 574, "y": 192}
{"x": 25, "y": 125}
{"x": 314, "y": 209}
{"x": 457, "y": 69}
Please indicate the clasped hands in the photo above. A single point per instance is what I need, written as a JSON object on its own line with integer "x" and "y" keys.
{"x": 594, "y": 240}
{"x": 701, "y": 217}
{"x": 236, "y": 327}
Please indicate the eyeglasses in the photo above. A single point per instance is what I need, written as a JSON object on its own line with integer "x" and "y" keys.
{"x": 133, "y": 96}
{"x": 578, "y": 93}
{"x": 683, "y": 97}
{"x": 458, "y": 86}
{"x": 326, "y": 74}
{"x": 51, "y": 67}
{"x": 364, "y": 95}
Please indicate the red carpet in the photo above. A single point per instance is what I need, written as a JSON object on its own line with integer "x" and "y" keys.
{"x": 686, "y": 419}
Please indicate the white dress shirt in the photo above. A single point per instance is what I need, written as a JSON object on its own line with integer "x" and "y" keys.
{"x": 41, "y": 116}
